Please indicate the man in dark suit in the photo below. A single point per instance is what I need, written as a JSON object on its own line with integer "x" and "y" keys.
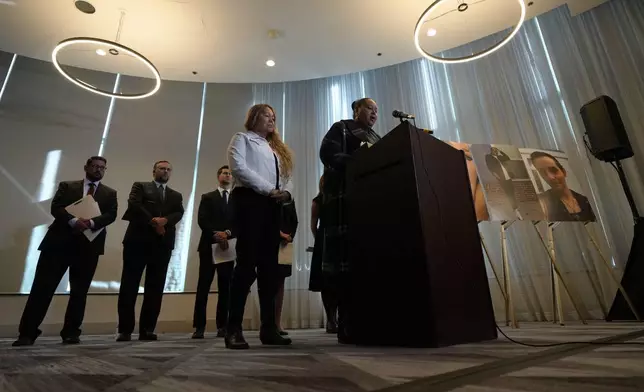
{"x": 153, "y": 211}
{"x": 215, "y": 221}
{"x": 65, "y": 246}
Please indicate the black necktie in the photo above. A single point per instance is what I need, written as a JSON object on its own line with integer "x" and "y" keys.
{"x": 277, "y": 172}
{"x": 225, "y": 195}
{"x": 90, "y": 188}
{"x": 161, "y": 193}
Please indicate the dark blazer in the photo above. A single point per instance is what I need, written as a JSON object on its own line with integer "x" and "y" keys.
{"x": 60, "y": 235}
{"x": 143, "y": 204}
{"x": 288, "y": 223}
{"x": 213, "y": 216}
{"x": 557, "y": 211}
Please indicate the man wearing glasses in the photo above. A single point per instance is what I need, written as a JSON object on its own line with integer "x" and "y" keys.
{"x": 65, "y": 246}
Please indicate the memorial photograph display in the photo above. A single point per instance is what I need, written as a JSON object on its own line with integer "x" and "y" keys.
{"x": 557, "y": 186}
{"x": 480, "y": 207}
{"x": 507, "y": 186}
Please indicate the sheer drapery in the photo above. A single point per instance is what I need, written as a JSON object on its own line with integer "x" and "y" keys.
{"x": 527, "y": 94}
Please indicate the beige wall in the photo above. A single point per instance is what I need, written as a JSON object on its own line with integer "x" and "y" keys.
{"x": 42, "y": 116}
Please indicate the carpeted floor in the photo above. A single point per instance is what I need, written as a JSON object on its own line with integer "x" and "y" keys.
{"x": 316, "y": 362}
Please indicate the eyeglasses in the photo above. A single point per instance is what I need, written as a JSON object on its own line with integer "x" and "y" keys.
{"x": 98, "y": 167}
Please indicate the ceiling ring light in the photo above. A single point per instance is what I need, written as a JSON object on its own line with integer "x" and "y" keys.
{"x": 114, "y": 47}
{"x": 471, "y": 57}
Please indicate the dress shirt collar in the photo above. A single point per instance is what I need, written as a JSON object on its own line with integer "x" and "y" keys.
{"x": 221, "y": 191}
{"x": 256, "y": 136}
{"x": 163, "y": 185}
{"x": 86, "y": 183}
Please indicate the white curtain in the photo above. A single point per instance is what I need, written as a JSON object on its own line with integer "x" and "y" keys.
{"x": 527, "y": 94}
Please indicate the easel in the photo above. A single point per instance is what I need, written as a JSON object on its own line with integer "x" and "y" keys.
{"x": 555, "y": 280}
{"x": 510, "y": 316}
{"x": 494, "y": 271}
{"x": 554, "y": 266}
{"x": 610, "y": 273}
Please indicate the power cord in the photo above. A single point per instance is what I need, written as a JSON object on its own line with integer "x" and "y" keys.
{"x": 440, "y": 218}
{"x": 593, "y": 343}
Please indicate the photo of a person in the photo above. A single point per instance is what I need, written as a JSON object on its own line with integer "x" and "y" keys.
{"x": 480, "y": 207}
{"x": 506, "y": 184}
{"x": 559, "y": 202}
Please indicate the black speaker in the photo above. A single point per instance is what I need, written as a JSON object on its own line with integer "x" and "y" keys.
{"x": 605, "y": 130}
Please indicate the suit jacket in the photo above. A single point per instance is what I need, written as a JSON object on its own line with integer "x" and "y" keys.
{"x": 61, "y": 236}
{"x": 213, "y": 216}
{"x": 143, "y": 204}
{"x": 288, "y": 223}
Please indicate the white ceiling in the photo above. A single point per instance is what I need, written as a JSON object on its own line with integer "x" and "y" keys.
{"x": 228, "y": 40}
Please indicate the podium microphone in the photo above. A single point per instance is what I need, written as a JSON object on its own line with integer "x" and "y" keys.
{"x": 402, "y": 115}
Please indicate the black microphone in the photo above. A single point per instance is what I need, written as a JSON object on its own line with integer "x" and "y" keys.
{"x": 399, "y": 114}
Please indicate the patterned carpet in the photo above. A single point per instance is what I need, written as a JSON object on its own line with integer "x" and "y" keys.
{"x": 316, "y": 362}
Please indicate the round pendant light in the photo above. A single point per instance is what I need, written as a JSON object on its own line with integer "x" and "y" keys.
{"x": 455, "y": 60}
{"x": 114, "y": 49}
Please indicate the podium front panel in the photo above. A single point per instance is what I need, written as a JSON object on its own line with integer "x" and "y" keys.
{"x": 418, "y": 270}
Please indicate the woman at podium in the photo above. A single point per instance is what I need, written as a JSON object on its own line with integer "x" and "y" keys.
{"x": 338, "y": 145}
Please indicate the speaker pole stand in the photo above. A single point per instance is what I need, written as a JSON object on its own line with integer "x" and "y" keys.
{"x": 618, "y": 311}
{"x": 627, "y": 190}
{"x": 610, "y": 273}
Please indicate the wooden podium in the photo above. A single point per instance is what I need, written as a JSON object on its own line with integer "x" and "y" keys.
{"x": 419, "y": 278}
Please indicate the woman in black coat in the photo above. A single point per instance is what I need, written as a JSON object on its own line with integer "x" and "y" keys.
{"x": 288, "y": 227}
{"x": 317, "y": 283}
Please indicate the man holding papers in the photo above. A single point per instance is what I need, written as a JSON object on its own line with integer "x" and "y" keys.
{"x": 74, "y": 242}
{"x": 215, "y": 221}
{"x": 153, "y": 211}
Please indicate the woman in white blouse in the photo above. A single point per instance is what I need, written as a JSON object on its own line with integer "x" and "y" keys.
{"x": 262, "y": 166}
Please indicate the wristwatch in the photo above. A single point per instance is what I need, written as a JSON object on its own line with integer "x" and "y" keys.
{"x": 228, "y": 233}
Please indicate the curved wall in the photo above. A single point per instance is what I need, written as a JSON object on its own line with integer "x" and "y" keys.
{"x": 527, "y": 94}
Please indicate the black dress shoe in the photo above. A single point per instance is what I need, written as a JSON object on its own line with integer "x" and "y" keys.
{"x": 124, "y": 337}
{"x": 344, "y": 337}
{"x": 236, "y": 341}
{"x": 283, "y": 333}
{"x": 23, "y": 341}
{"x": 331, "y": 327}
{"x": 148, "y": 336}
{"x": 198, "y": 334}
{"x": 273, "y": 338}
{"x": 71, "y": 340}
{"x": 221, "y": 332}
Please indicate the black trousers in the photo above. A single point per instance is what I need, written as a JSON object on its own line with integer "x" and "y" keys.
{"x": 343, "y": 286}
{"x": 154, "y": 259}
{"x": 206, "y": 274}
{"x": 51, "y": 268}
{"x": 257, "y": 220}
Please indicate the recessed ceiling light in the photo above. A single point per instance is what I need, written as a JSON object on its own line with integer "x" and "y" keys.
{"x": 270, "y": 63}
{"x": 101, "y": 52}
{"x": 431, "y": 32}
{"x": 84, "y": 6}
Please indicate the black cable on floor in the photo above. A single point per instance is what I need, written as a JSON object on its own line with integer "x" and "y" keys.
{"x": 594, "y": 343}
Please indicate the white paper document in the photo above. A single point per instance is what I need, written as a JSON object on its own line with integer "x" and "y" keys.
{"x": 286, "y": 254}
{"x": 224, "y": 256}
{"x": 86, "y": 208}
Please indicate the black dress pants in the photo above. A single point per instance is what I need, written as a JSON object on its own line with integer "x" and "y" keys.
{"x": 154, "y": 259}
{"x": 343, "y": 286}
{"x": 51, "y": 268}
{"x": 257, "y": 224}
{"x": 206, "y": 275}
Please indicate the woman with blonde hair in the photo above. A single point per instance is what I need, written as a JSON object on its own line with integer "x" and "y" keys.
{"x": 262, "y": 166}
